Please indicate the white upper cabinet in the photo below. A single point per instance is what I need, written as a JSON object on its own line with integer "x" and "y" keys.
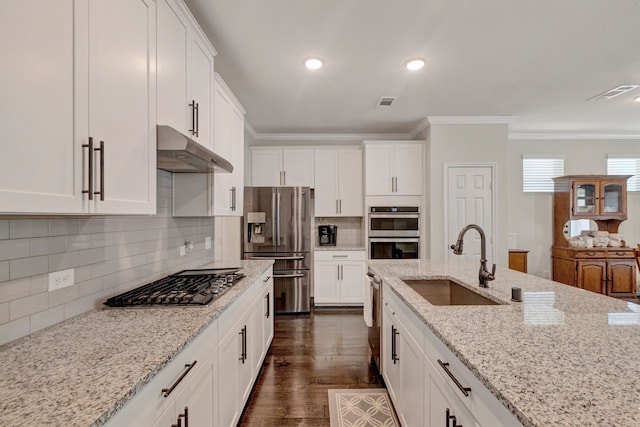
{"x": 229, "y": 143}
{"x": 74, "y": 82}
{"x": 393, "y": 168}
{"x": 185, "y": 73}
{"x": 338, "y": 182}
{"x": 282, "y": 166}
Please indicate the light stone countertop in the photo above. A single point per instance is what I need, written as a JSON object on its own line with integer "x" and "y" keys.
{"x": 562, "y": 357}
{"x": 81, "y": 371}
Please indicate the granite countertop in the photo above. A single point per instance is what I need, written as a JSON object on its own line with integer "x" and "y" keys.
{"x": 339, "y": 248}
{"x": 564, "y": 356}
{"x": 81, "y": 371}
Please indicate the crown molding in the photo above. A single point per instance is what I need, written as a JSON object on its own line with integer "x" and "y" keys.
{"x": 545, "y": 135}
{"x": 328, "y": 136}
{"x": 424, "y": 123}
{"x": 471, "y": 120}
{"x": 250, "y": 129}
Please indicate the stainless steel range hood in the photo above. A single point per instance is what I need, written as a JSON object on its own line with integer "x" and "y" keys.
{"x": 179, "y": 153}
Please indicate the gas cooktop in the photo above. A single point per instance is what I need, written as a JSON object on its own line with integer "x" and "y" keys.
{"x": 187, "y": 287}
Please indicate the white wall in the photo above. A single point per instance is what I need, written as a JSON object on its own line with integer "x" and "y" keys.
{"x": 467, "y": 143}
{"x": 531, "y": 216}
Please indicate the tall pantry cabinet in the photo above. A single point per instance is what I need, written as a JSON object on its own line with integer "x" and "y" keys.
{"x": 79, "y": 103}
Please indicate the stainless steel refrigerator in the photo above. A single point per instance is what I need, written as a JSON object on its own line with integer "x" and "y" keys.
{"x": 277, "y": 225}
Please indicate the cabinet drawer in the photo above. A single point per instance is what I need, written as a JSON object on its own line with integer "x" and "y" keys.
{"x": 591, "y": 254}
{"x": 339, "y": 255}
{"x": 620, "y": 254}
{"x": 484, "y": 406}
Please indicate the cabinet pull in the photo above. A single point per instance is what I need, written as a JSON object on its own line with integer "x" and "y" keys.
{"x": 266, "y": 279}
{"x": 243, "y": 353}
{"x": 101, "y": 150}
{"x": 337, "y": 206}
{"x": 620, "y": 253}
{"x": 340, "y": 205}
{"x": 89, "y": 146}
{"x": 591, "y": 254}
{"x": 193, "y": 117}
{"x": 197, "y": 119}
{"x": 268, "y": 314}
{"x": 339, "y": 256}
{"x": 451, "y": 417}
{"x": 445, "y": 366}
{"x": 233, "y": 206}
{"x": 394, "y": 345}
{"x": 167, "y": 391}
{"x": 184, "y": 415}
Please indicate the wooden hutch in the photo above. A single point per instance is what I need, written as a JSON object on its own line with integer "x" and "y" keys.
{"x": 602, "y": 199}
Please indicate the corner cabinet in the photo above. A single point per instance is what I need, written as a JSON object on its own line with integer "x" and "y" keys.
{"x": 282, "y": 166}
{"x": 339, "y": 278}
{"x": 338, "y": 182}
{"x": 89, "y": 146}
{"x": 602, "y": 199}
{"x": 393, "y": 168}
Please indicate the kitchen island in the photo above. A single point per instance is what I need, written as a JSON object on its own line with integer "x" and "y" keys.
{"x": 82, "y": 371}
{"x": 563, "y": 356}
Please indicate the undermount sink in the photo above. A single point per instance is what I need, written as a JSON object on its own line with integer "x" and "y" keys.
{"x": 447, "y": 292}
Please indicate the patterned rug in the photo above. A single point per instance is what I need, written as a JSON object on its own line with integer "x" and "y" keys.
{"x": 368, "y": 407}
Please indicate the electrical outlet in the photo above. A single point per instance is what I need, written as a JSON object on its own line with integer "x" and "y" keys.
{"x": 207, "y": 242}
{"x": 183, "y": 250}
{"x": 61, "y": 279}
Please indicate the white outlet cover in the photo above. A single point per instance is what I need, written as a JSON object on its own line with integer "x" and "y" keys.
{"x": 183, "y": 250}
{"x": 207, "y": 242}
{"x": 61, "y": 279}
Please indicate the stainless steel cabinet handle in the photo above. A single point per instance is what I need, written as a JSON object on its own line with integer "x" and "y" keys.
{"x": 101, "y": 150}
{"x": 392, "y": 184}
{"x": 445, "y": 366}
{"x": 197, "y": 119}
{"x": 232, "y": 190}
{"x": 284, "y": 177}
{"x": 339, "y": 256}
{"x": 193, "y": 117}
{"x": 167, "y": 391}
{"x": 89, "y": 146}
{"x": 340, "y": 205}
{"x": 337, "y": 206}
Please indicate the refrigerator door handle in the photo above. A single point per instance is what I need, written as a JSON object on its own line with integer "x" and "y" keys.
{"x": 273, "y": 217}
{"x": 279, "y": 258}
{"x": 278, "y": 217}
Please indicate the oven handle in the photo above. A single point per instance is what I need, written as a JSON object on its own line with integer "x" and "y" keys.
{"x": 279, "y": 258}
{"x": 387, "y": 215}
{"x": 288, "y": 276}
{"x": 392, "y": 240}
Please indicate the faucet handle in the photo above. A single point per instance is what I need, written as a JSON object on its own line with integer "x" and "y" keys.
{"x": 493, "y": 272}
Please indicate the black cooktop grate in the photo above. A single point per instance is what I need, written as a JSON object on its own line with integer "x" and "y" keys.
{"x": 188, "y": 287}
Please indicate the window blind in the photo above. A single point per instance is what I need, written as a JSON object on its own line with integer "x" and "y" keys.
{"x": 537, "y": 172}
{"x": 625, "y": 165}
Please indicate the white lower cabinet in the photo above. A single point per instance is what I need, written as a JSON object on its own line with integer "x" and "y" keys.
{"x": 209, "y": 382}
{"x": 419, "y": 372}
{"x": 339, "y": 277}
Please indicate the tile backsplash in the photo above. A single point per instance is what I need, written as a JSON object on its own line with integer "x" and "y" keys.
{"x": 109, "y": 254}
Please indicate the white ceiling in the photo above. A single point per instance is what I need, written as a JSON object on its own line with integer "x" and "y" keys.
{"x": 539, "y": 61}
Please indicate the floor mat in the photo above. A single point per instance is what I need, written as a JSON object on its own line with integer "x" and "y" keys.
{"x": 369, "y": 407}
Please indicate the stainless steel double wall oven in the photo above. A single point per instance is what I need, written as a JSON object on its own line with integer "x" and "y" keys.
{"x": 277, "y": 226}
{"x": 394, "y": 232}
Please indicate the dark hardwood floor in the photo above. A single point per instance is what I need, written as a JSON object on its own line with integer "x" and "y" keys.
{"x": 309, "y": 355}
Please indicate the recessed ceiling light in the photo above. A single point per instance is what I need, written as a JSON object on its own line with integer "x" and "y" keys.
{"x": 638, "y": 99}
{"x": 313, "y": 63}
{"x": 414, "y": 64}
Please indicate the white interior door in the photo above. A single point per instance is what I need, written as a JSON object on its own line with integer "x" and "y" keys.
{"x": 470, "y": 201}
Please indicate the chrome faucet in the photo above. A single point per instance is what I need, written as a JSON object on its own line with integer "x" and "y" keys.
{"x": 484, "y": 277}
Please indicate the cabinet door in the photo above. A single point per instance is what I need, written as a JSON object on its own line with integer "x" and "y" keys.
{"x": 390, "y": 367}
{"x": 411, "y": 364}
{"x": 173, "y": 36}
{"x": 195, "y": 401}
{"x": 41, "y": 168}
{"x": 622, "y": 278}
{"x": 201, "y": 80}
{"x": 237, "y": 160}
{"x": 245, "y": 368}
{"x": 351, "y": 284}
{"x": 407, "y": 169}
{"x": 268, "y": 317}
{"x": 326, "y": 181}
{"x": 223, "y": 194}
{"x": 350, "y": 183}
{"x": 592, "y": 276}
{"x": 167, "y": 418}
{"x": 258, "y": 312}
{"x": 442, "y": 406}
{"x": 613, "y": 199}
{"x": 298, "y": 167}
{"x": 122, "y": 104}
{"x": 266, "y": 167}
{"x": 228, "y": 387}
{"x": 326, "y": 283}
{"x": 585, "y": 198}
{"x": 379, "y": 170}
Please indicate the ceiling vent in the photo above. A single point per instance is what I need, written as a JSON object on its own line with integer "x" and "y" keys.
{"x": 612, "y": 93}
{"x": 386, "y": 101}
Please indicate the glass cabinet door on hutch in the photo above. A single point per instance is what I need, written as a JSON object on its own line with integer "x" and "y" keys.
{"x": 585, "y": 201}
{"x": 612, "y": 200}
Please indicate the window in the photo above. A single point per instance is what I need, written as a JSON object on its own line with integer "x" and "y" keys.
{"x": 537, "y": 171}
{"x": 625, "y": 165}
